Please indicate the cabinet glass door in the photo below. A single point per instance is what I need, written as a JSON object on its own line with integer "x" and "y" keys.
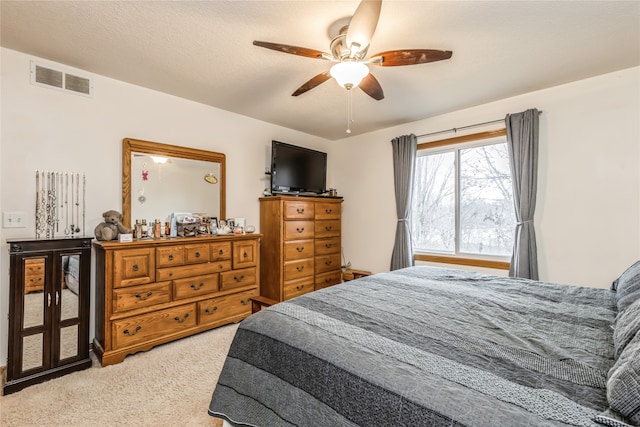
{"x": 69, "y": 305}
{"x": 35, "y": 301}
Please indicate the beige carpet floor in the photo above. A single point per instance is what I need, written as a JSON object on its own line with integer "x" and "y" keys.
{"x": 170, "y": 385}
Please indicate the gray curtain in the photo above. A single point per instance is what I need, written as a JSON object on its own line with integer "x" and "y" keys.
{"x": 404, "y": 164}
{"x": 522, "y": 140}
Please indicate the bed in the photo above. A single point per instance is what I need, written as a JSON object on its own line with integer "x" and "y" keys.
{"x": 427, "y": 346}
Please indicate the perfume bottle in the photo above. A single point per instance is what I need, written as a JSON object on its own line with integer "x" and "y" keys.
{"x": 156, "y": 229}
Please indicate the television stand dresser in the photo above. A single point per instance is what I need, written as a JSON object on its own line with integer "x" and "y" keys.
{"x": 301, "y": 245}
{"x": 150, "y": 292}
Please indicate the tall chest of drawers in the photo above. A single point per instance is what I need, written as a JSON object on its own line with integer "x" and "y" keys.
{"x": 150, "y": 292}
{"x": 301, "y": 245}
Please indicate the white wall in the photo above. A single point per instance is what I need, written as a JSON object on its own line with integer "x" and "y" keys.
{"x": 47, "y": 129}
{"x": 588, "y": 201}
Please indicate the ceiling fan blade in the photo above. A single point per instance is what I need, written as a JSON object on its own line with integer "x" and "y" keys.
{"x": 293, "y": 50}
{"x": 313, "y": 82}
{"x": 371, "y": 87}
{"x": 363, "y": 24}
{"x": 395, "y": 58}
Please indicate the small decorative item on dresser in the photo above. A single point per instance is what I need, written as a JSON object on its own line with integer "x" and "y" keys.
{"x": 351, "y": 274}
{"x": 111, "y": 227}
{"x": 250, "y": 229}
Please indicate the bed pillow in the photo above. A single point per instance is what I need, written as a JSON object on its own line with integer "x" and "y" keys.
{"x": 626, "y": 327}
{"x": 623, "y": 382}
{"x": 627, "y": 286}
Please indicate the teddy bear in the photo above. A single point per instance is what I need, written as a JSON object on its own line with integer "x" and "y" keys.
{"x": 111, "y": 227}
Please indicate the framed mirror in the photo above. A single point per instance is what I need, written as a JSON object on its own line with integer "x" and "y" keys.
{"x": 158, "y": 179}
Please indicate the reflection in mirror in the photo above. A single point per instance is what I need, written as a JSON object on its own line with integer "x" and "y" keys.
{"x": 139, "y": 183}
{"x": 175, "y": 185}
{"x": 32, "y": 351}
{"x": 70, "y": 287}
{"x": 34, "y": 297}
{"x": 68, "y": 342}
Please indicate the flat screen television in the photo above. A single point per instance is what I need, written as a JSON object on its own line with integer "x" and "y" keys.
{"x": 297, "y": 169}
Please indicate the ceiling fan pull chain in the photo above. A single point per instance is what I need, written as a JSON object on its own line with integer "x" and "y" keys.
{"x": 349, "y": 110}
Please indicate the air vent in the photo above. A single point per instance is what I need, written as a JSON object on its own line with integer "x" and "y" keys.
{"x": 58, "y": 79}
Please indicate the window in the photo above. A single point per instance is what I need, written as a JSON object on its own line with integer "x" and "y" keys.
{"x": 462, "y": 198}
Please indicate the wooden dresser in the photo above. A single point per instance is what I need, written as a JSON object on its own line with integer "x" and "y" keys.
{"x": 150, "y": 292}
{"x": 301, "y": 247}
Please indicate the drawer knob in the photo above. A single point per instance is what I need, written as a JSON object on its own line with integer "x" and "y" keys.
{"x": 135, "y": 267}
{"x": 300, "y": 210}
{"x": 328, "y": 245}
{"x": 300, "y": 287}
{"x": 170, "y": 257}
{"x": 327, "y": 280}
{"x": 328, "y": 228}
{"x": 238, "y": 279}
{"x": 327, "y": 262}
{"x": 244, "y": 301}
{"x": 211, "y": 310}
{"x": 144, "y": 297}
{"x": 246, "y": 255}
{"x": 197, "y": 254}
{"x": 220, "y": 252}
{"x": 328, "y": 210}
{"x": 300, "y": 229}
{"x": 197, "y": 287}
{"x": 129, "y": 333}
{"x": 300, "y": 249}
{"x": 300, "y": 267}
{"x": 179, "y": 320}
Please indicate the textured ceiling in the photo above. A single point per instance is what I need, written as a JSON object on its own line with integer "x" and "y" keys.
{"x": 202, "y": 50}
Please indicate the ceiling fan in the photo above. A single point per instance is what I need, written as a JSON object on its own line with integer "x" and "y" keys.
{"x": 349, "y": 51}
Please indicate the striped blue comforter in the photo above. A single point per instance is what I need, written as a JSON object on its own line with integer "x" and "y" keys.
{"x": 423, "y": 346}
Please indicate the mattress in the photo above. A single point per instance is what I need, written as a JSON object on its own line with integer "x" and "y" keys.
{"x": 423, "y": 346}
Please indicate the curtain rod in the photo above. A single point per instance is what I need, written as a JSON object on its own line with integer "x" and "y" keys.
{"x": 465, "y": 127}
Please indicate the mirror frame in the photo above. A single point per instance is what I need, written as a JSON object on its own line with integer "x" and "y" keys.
{"x": 130, "y": 145}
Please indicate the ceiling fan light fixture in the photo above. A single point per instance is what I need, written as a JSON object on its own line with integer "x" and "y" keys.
{"x": 159, "y": 160}
{"x": 349, "y": 74}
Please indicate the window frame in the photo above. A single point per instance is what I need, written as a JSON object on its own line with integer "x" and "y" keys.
{"x": 495, "y": 262}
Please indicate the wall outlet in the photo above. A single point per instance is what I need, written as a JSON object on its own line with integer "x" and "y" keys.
{"x": 14, "y": 220}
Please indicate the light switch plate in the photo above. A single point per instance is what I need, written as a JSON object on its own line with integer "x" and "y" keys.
{"x": 14, "y": 220}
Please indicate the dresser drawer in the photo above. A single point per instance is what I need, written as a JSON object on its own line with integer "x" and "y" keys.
{"x": 196, "y": 253}
{"x": 296, "y": 288}
{"x": 298, "y": 249}
{"x": 194, "y": 286}
{"x": 141, "y": 296}
{"x": 146, "y": 327}
{"x": 330, "y": 228}
{"x": 170, "y": 256}
{"x": 134, "y": 267}
{"x": 220, "y": 251}
{"x": 325, "y": 263}
{"x": 328, "y": 279}
{"x": 220, "y": 308}
{"x": 245, "y": 254}
{"x": 330, "y": 245}
{"x": 221, "y": 266}
{"x": 185, "y": 271}
{"x": 298, "y": 269}
{"x": 237, "y": 278}
{"x": 298, "y": 230}
{"x": 327, "y": 211}
{"x": 299, "y": 210}
{"x": 34, "y": 274}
